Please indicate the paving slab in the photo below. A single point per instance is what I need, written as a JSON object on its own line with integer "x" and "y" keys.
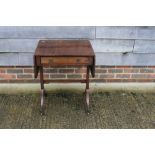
{"x": 113, "y": 106}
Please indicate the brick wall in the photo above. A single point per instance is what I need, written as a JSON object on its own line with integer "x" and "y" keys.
{"x": 116, "y": 48}
{"x": 103, "y": 74}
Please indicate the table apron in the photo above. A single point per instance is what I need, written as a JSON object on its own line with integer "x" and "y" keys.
{"x": 66, "y": 60}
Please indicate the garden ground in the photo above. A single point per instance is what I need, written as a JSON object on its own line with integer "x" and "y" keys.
{"x": 113, "y": 106}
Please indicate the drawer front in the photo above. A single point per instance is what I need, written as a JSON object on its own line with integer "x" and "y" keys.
{"x": 66, "y": 60}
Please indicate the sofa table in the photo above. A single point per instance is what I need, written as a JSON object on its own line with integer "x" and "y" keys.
{"x": 62, "y": 53}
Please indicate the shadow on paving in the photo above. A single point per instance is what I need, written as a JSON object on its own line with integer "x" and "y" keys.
{"x": 65, "y": 109}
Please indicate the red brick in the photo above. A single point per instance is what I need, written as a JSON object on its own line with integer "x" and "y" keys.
{"x": 7, "y": 76}
{"x": 107, "y": 66}
{"x": 46, "y": 76}
{"x": 28, "y": 70}
{"x": 21, "y": 67}
{"x": 2, "y": 70}
{"x": 4, "y": 81}
{"x": 147, "y": 70}
{"x": 96, "y": 76}
{"x": 145, "y": 80}
{"x": 66, "y": 70}
{"x": 7, "y": 67}
{"x": 14, "y": 70}
{"x": 57, "y": 76}
{"x": 129, "y": 80}
{"x": 151, "y": 67}
{"x": 143, "y": 76}
{"x": 98, "y": 80}
{"x": 122, "y": 76}
{"x": 80, "y": 70}
{"x": 115, "y": 70}
{"x": 106, "y": 76}
{"x": 131, "y": 70}
{"x": 23, "y": 81}
{"x": 74, "y": 76}
{"x": 24, "y": 76}
{"x": 99, "y": 70}
{"x": 84, "y": 76}
{"x": 50, "y": 70}
{"x": 123, "y": 67}
{"x": 139, "y": 66}
{"x": 113, "y": 80}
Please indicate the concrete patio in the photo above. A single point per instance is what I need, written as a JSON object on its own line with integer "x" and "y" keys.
{"x": 112, "y": 106}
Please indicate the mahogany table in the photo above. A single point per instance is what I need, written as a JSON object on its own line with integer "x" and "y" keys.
{"x": 60, "y": 53}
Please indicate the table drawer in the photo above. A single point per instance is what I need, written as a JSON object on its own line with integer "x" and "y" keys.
{"x": 66, "y": 60}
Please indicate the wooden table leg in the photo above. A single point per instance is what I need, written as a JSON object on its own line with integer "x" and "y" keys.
{"x": 87, "y": 106}
{"x": 42, "y": 109}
